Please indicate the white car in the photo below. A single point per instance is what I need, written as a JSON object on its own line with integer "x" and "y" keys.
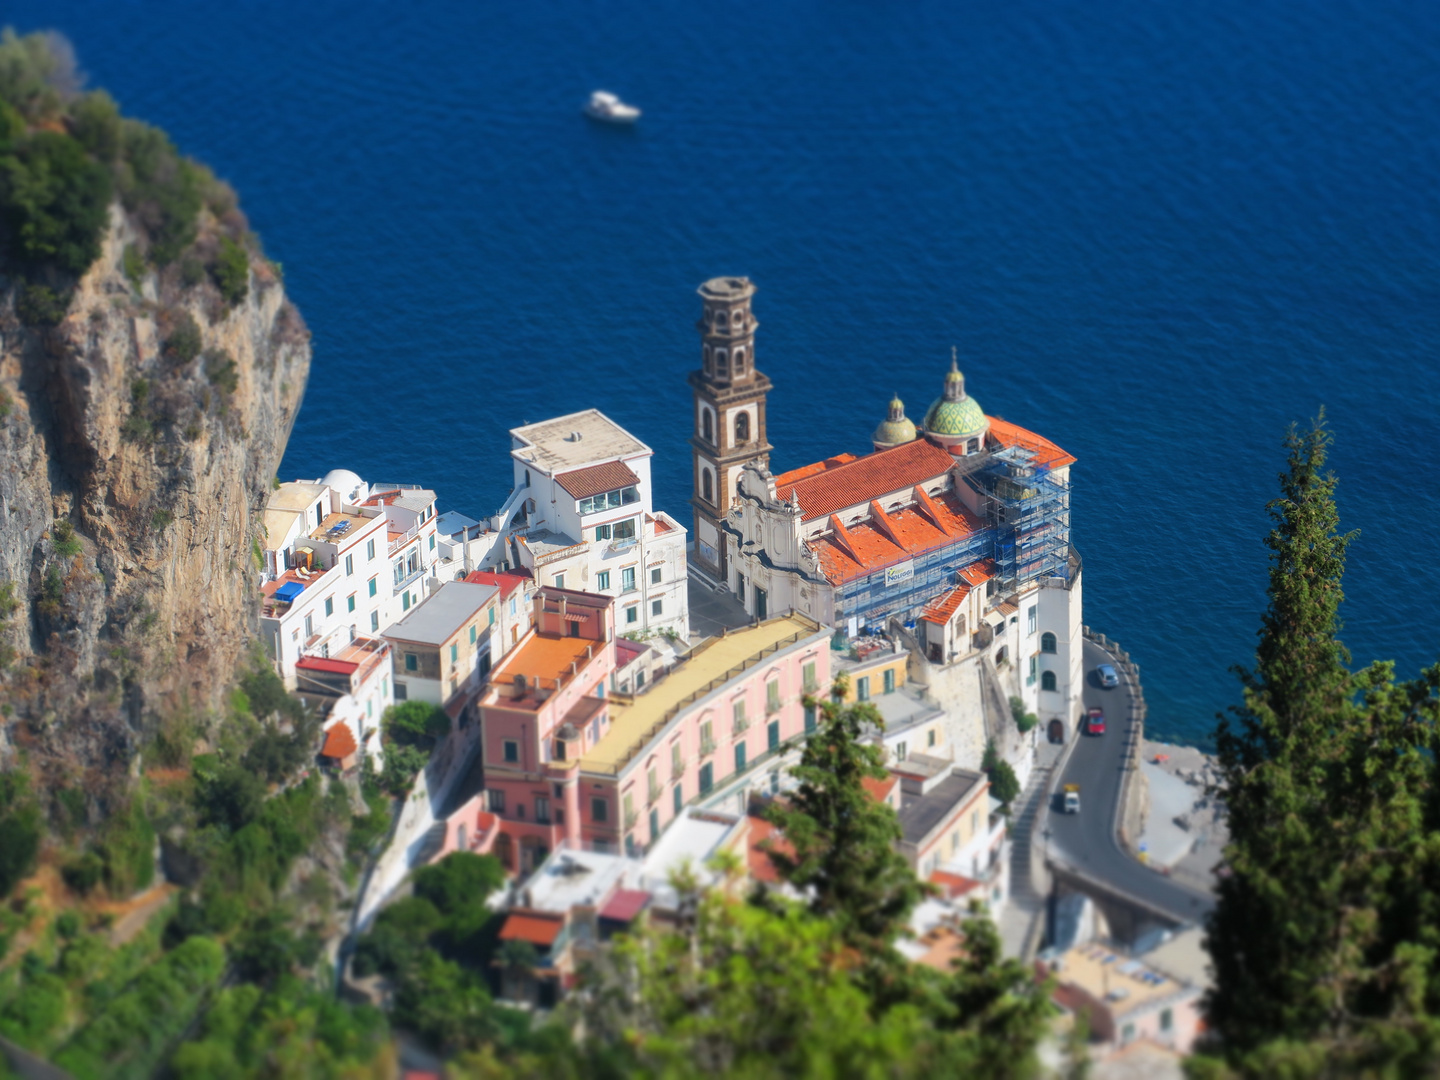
{"x": 1108, "y": 676}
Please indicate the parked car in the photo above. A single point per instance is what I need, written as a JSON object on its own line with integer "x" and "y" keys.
{"x": 1095, "y": 722}
{"x": 1109, "y": 678}
{"x": 1071, "y": 801}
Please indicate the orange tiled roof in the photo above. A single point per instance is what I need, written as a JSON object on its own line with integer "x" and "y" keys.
{"x": 863, "y": 548}
{"x": 339, "y": 742}
{"x": 977, "y": 573}
{"x": 953, "y": 885}
{"x": 607, "y": 476}
{"x": 879, "y": 789}
{"x": 764, "y": 837}
{"x": 945, "y": 606}
{"x": 547, "y": 656}
{"x": 862, "y": 479}
{"x": 801, "y": 473}
{"x": 535, "y": 927}
{"x": 1047, "y": 453}
{"x": 506, "y": 583}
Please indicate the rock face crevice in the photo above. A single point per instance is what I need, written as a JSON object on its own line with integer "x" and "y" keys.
{"x": 158, "y": 447}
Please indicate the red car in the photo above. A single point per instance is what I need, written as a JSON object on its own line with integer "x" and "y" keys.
{"x": 1095, "y": 722}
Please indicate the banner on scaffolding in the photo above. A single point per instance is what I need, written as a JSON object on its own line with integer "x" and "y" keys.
{"x": 894, "y": 575}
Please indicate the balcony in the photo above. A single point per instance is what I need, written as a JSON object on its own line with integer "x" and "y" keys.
{"x": 707, "y": 747}
{"x": 631, "y": 817}
{"x": 654, "y": 793}
{"x": 399, "y": 540}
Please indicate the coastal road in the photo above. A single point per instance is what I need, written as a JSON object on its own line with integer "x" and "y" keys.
{"x": 1087, "y": 840}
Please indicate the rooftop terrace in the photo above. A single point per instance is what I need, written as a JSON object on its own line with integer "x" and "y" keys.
{"x": 551, "y": 444}
{"x": 546, "y": 661}
{"x": 1110, "y": 976}
{"x": 708, "y": 667}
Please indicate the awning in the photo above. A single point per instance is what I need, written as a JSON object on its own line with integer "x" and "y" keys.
{"x": 289, "y": 591}
{"x": 540, "y": 930}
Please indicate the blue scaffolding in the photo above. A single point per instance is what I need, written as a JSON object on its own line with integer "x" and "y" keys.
{"x": 1028, "y": 508}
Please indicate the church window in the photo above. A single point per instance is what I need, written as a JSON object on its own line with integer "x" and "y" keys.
{"x": 742, "y": 428}
{"x": 707, "y": 485}
{"x": 707, "y": 428}
{"x": 739, "y": 361}
{"x": 973, "y": 446}
{"x": 722, "y": 362}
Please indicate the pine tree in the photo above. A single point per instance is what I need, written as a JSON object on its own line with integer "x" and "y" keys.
{"x": 1316, "y": 933}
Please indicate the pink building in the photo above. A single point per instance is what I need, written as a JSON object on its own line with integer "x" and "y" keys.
{"x": 567, "y": 761}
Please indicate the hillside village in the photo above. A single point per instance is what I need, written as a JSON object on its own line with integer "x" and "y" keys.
{"x": 627, "y": 692}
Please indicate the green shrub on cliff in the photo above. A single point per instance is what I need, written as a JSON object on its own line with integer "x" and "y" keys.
{"x": 54, "y": 199}
{"x": 231, "y": 271}
{"x": 19, "y": 830}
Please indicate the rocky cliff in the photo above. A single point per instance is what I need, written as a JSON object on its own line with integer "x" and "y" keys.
{"x": 139, "y": 438}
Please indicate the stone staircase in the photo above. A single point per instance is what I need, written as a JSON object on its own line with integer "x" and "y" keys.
{"x": 1023, "y": 919}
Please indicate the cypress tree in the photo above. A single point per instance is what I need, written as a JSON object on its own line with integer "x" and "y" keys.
{"x": 1321, "y": 909}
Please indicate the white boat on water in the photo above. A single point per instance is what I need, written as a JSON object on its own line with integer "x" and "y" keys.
{"x": 607, "y": 108}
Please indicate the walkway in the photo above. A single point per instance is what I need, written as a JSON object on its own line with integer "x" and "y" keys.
{"x": 1021, "y": 921}
{"x": 712, "y": 611}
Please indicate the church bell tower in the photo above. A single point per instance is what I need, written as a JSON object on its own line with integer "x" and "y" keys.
{"x": 729, "y": 415}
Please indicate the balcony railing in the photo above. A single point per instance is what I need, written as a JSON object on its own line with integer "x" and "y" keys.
{"x": 654, "y": 792}
{"x": 631, "y": 817}
{"x": 707, "y": 747}
{"x": 397, "y": 544}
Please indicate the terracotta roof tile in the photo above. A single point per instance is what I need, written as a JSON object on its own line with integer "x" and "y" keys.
{"x": 506, "y": 583}
{"x": 339, "y": 742}
{"x": 538, "y": 928}
{"x": 1047, "y": 453}
{"x": 977, "y": 573}
{"x": 322, "y": 663}
{"x": 852, "y": 551}
{"x": 858, "y": 481}
{"x": 801, "y": 473}
{"x": 763, "y": 838}
{"x": 945, "y": 606}
{"x": 607, "y": 476}
{"x": 625, "y": 904}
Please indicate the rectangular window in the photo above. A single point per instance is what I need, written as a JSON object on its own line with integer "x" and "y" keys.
{"x": 889, "y": 680}
{"x": 632, "y": 614}
{"x": 472, "y": 633}
{"x": 1030, "y": 679}
{"x": 559, "y": 581}
{"x": 773, "y": 735}
{"x": 602, "y": 580}
{"x": 432, "y": 541}
{"x": 542, "y": 809}
{"x": 513, "y": 607}
{"x": 862, "y": 688}
{"x": 677, "y": 759}
{"x": 489, "y": 616}
{"x": 808, "y": 674}
{"x": 655, "y": 575}
{"x": 1030, "y": 620}
{"x": 679, "y": 799}
{"x": 329, "y": 605}
{"x": 512, "y": 750}
{"x": 627, "y": 579}
{"x": 652, "y": 781}
{"x": 497, "y": 801}
{"x": 602, "y": 532}
{"x": 625, "y": 530}
{"x": 772, "y": 696}
{"x": 412, "y": 662}
{"x": 370, "y": 549}
{"x": 374, "y": 622}
{"x": 1167, "y": 1019}
{"x": 707, "y": 738}
{"x": 401, "y": 691}
{"x": 930, "y": 737}
{"x": 454, "y": 654}
{"x": 900, "y": 751}
{"x": 739, "y": 757}
{"x": 657, "y": 607}
{"x": 349, "y": 565}
{"x": 599, "y": 809}
{"x": 350, "y": 602}
{"x": 405, "y": 601}
{"x": 809, "y": 719}
{"x": 309, "y": 627}
{"x": 707, "y": 778}
{"x": 374, "y": 588}
{"x": 738, "y": 711}
{"x": 627, "y": 809}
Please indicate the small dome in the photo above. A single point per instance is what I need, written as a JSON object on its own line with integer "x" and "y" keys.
{"x": 349, "y": 485}
{"x": 895, "y": 429}
{"x": 955, "y": 417}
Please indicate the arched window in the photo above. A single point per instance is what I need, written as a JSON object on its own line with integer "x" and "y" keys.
{"x": 707, "y": 485}
{"x": 707, "y": 427}
{"x": 1047, "y": 642}
{"x": 1047, "y": 680}
{"x": 739, "y": 361}
{"x": 736, "y": 317}
{"x": 722, "y": 362}
{"x": 973, "y": 446}
{"x": 708, "y": 360}
{"x": 742, "y": 428}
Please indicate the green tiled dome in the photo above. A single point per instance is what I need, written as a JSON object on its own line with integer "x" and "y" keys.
{"x": 963, "y": 417}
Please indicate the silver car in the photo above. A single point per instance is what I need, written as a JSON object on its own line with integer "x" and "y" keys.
{"x": 1108, "y": 676}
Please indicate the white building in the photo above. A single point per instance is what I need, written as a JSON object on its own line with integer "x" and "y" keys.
{"x": 341, "y": 561}
{"x": 581, "y": 517}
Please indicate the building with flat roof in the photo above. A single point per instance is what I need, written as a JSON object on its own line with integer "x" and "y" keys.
{"x": 442, "y": 647}
{"x": 580, "y": 517}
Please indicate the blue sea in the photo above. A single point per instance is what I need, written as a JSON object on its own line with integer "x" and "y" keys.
{"x": 1157, "y": 232}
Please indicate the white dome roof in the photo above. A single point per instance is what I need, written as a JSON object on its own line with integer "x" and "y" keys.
{"x": 349, "y": 485}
